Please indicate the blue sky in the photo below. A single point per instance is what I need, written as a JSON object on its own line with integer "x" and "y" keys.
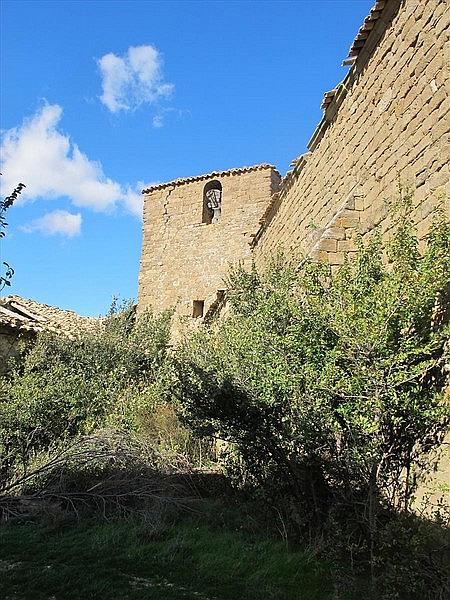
{"x": 102, "y": 97}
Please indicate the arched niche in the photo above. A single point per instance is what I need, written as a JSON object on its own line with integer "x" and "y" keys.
{"x": 212, "y": 202}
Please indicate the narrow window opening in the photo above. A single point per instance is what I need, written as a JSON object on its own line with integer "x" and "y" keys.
{"x": 197, "y": 308}
{"x": 212, "y": 202}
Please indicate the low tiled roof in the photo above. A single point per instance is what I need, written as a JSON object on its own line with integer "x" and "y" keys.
{"x": 364, "y": 31}
{"x": 368, "y": 37}
{"x": 357, "y": 45}
{"x": 183, "y": 180}
{"x": 333, "y": 99}
{"x": 26, "y": 315}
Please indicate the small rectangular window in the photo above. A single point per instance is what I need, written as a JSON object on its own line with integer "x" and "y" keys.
{"x": 197, "y": 308}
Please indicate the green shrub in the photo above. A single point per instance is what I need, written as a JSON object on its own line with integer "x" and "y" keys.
{"x": 330, "y": 389}
{"x": 68, "y": 387}
{"x": 414, "y": 559}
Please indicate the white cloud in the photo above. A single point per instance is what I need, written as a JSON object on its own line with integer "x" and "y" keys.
{"x": 38, "y": 154}
{"x": 158, "y": 121}
{"x": 160, "y": 118}
{"x": 132, "y": 79}
{"x": 133, "y": 198}
{"x": 56, "y": 222}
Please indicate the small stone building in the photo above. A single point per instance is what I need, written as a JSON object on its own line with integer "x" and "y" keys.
{"x": 22, "y": 319}
{"x": 194, "y": 228}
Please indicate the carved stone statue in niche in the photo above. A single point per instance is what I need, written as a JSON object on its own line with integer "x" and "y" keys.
{"x": 213, "y": 202}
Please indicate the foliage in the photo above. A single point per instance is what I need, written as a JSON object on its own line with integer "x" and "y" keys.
{"x": 5, "y": 280}
{"x": 108, "y": 473}
{"x": 414, "y": 557}
{"x": 67, "y": 387}
{"x": 185, "y": 560}
{"x": 330, "y": 389}
{"x": 327, "y": 389}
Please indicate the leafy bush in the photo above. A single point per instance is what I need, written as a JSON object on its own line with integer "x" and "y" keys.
{"x": 66, "y": 387}
{"x": 414, "y": 558}
{"x": 5, "y": 280}
{"x": 330, "y": 389}
{"x": 110, "y": 473}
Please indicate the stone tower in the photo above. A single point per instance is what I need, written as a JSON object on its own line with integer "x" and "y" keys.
{"x": 193, "y": 228}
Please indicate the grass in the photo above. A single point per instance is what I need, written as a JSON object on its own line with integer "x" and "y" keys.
{"x": 128, "y": 560}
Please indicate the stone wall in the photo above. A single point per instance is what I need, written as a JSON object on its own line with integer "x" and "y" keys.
{"x": 185, "y": 260}
{"x": 388, "y": 121}
{"x": 10, "y": 345}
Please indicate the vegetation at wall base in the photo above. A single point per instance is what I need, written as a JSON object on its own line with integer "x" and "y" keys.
{"x": 330, "y": 392}
{"x": 185, "y": 559}
{"x": 327, "y": 397}
{"x": 108, "y": 377}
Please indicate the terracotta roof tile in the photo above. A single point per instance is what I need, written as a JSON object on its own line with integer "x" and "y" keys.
{"x": 23, "y": 314}
{"x": 363, "y": 33}
{"x": 357, "y": 45}
{"x": 183, "y": 180}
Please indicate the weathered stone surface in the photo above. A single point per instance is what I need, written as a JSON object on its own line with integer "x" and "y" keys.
{"x": 185, "y": 260}
{"x": 388, "y": 122}
{"x": 392, "y": 126}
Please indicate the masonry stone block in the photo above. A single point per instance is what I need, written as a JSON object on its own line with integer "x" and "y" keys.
{"x": 186, "y": 260}
{"x": 393, "y": 122}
